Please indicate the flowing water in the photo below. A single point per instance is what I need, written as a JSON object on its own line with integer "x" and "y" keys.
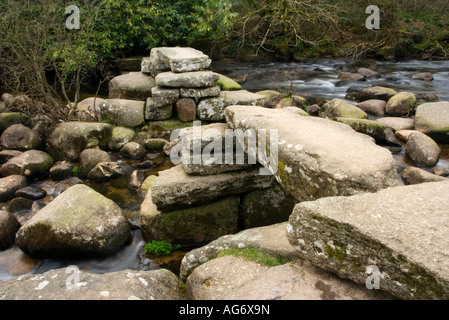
{"x": 318, "y": 78}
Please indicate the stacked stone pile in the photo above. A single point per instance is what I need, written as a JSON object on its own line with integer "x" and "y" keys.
{"x": 181, "y": 78}
{"x": 199, "y": 201}
{"x": 173, "y": 80}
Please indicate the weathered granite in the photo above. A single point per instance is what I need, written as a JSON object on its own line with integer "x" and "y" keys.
{"x": 195, "y": 79}
{"x": 433, "y": 119}
{"x": 176, "y": 59}
{"x": 72, "y": 283}
{"x": 317, "y": 157}
{"x": 174, "y": 188}
{"x": 401, "y": 231}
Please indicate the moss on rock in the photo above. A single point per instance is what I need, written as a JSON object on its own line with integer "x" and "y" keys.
{"x": 227, "y": 84}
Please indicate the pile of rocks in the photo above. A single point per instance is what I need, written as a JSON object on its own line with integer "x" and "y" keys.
{"x": 182, "y": 79}
{"x": 337, "y": 188}
{"x": 198, "y": 201}
{"x": 172, "y": 80}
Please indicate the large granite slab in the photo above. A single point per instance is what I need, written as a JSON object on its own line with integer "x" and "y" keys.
{"x": 315, "y": 157}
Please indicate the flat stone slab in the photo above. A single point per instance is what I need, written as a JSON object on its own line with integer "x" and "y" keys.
{"x": 229, "y": 277}
{"x": 232, "y": 278}
{"x": 176, "y": 59}
{"x": 397, "y": 123}
{"x": 270, "y": 239}
{"x": 241, "y": 97}
{"x": 174, "y": 188}
{"x": 73, "y": 284}
{"x": 205, "y": 150}
{"x": 195, "y": 79}
{"x": 198, "y": 93}
{"x": 316, "y": 157}
{"x": 398, "y": 235}
{"x": 212, "y": 109}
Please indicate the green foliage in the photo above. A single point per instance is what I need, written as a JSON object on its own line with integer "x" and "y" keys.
{"x": 75, "y": 171}
{"x": 34, "y": 39}
{"x": 130, "y": 24}
{"x": 255, "y": 255}
{"x": 160, "y": 248}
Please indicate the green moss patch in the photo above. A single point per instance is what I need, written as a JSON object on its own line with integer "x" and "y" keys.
{"x": 255, "y": 255}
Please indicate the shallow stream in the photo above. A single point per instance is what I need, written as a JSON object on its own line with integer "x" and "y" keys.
{"x": 318, "y": 78}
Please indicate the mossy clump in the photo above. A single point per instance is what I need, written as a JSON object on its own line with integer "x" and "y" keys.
{"x": 281, "y": 172}
{"x": 336, "y": 252}
{"x": 160, "y": 248}
{"x": 228, "y": 84}
{"x": 255, "y": 255}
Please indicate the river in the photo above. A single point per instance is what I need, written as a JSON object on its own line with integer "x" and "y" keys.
{"x": 318, "y": 78}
